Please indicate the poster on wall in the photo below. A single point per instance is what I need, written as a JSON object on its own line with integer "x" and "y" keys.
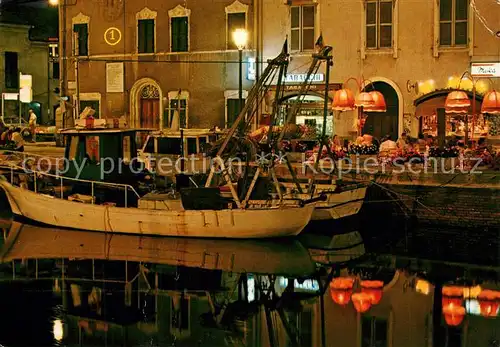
{"x": 114, "y": 78}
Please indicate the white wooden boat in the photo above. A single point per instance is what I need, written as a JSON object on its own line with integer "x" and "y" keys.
{"x": 338, "y": 203}
{"x": 288, "y": 257}
{"x": 284, "y": 221}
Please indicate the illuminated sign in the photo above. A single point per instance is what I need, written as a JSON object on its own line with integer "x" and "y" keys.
{"x": 252, "y": 69}
{"x": 10, "y": 96}
{"x": 301, "y": 77}
{"x": 485, "y": 69}
{"x": 25, "y": 81}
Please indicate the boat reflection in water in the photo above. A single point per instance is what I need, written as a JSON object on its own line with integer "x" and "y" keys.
{"x": 121, "y": 290}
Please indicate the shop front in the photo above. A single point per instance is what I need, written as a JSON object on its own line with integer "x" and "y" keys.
{"x": 311, "y": 112}
{"x": 472, "y": 123}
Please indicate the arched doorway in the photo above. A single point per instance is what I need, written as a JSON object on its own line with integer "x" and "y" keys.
{"x": 149, "y": 116}
{"x": 146, "y": 104}
{"x": 380, "y": 124}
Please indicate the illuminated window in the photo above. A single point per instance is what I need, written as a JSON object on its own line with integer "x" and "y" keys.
{"x": 178, "y": 102}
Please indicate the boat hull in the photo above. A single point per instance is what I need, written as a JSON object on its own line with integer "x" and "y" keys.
{"x": 237, "y": 223}
{"x": 340, "y": 205}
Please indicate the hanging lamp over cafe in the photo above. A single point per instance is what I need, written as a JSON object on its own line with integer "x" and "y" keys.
{"x": 379, "y": 104}
{"x": 343, "y": 100}
{"x": 491, "y": 103}
{"x": 365, "y": 100}
{"x": 457, "y": 102}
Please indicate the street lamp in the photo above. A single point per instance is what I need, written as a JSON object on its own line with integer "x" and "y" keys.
{"x": 240, "y": 38}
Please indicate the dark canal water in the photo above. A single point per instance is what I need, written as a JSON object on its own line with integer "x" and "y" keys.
{"x": 77, "y": 288}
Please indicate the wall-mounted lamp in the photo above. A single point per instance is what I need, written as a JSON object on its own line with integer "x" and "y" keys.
{"x": 412, "y": 86}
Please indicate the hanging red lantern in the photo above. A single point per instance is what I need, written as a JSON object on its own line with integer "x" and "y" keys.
{"x": 379, "y": 102}
{"x": 343, "y": 100}
{"x": 454, "y": 315}
{"x": 491, "y": 103}
{"x": 364, "y": 100}
{"x": 341, "y": 290}
{"x": 373, "y": 289}
{"x": 457, "y": 102}
{"x": 362, "y": 302}
{"x": 457, "y": 98}
{"x": 489, "y": 302}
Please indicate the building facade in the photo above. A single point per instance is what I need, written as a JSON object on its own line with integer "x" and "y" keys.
{"x": 147, "y": 59}
{"x": 20, "y": 55}
{"x": 387, "y": 45}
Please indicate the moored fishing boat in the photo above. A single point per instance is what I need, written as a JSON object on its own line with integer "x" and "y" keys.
{"x": 281, "y": 221}
{"x": 342, "y": 200}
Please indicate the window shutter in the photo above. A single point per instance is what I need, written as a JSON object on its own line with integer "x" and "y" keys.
{"x": 83, "y": 40}
{"x": 183, "y": 34}
{"x": 150, "y": 36}
{"x": 175, "y": 34}
{"x": 141, "y": 41}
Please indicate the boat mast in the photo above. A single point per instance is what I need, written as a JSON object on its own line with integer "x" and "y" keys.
{"x": 260, "y": 88}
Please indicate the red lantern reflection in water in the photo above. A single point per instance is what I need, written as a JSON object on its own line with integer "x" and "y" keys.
{"x": 341, "y": 290}
{"x": 454, "y": 315}
{"x": 489, "y": 302}
{"x": 362, "y": 302}
{"x": 373, "y": 289}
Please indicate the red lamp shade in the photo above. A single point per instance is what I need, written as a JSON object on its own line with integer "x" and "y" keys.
{"x": 362, "y": 302}
{"x": 379, "y": 102}
{"x": 373, "y": 289}
{"x": 491, "y": 103}
{"x": 364, "y": 100}
{"x": 457, "y": 98}
{"x": 343, "y": 100}
{"x": 457, "y": 102}
{"x": 454, "y": 315}
{"x": 341, "y": 290}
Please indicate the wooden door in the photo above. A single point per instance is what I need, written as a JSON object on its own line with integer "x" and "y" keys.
{"x": 150, "y": 113}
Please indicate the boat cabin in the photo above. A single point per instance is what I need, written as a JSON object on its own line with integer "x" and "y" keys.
{"x": 162, "y": 149}
{"x": 101, "y": 154}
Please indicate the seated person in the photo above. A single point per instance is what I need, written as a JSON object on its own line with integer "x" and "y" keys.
{"x": 402, "y": 141}
{"x": 367, "y": 140}
{"x": 387, "y": 144}
{"x": 18, "y": 140}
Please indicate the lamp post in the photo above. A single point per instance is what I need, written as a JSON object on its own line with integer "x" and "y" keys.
{"x": 240, "y": 38}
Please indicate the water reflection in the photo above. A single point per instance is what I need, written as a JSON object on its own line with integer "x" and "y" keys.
{"x": 94, "y": 289}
